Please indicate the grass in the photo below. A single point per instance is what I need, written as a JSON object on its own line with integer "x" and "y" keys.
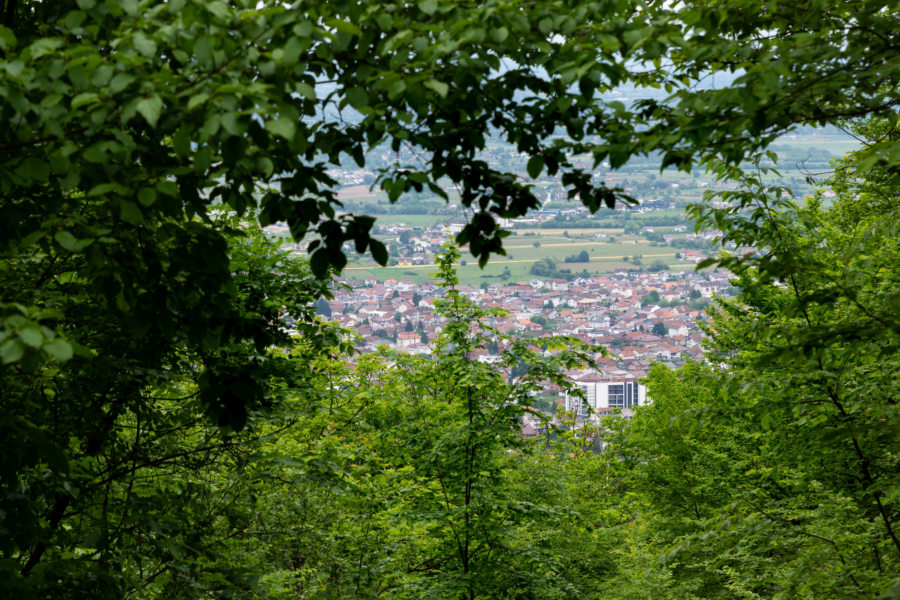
{"x": 561, "y": 230}
{"x": 521, "y": 255}
{"x": 410, "y": 220}
{"x": 836, "y": 143}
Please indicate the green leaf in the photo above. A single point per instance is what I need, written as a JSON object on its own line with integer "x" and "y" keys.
{"x": 499, "y": 34}
{"x": 169, "y": 188}
{"x": 31, "y": 335}
{"x": 266, "y": 166}
{"x": 384, "y": 21}
{"x": 196, "y": 100}
{"x": 545, "y": 25}
{"x": 84, "y": 99}
{"x": 130, "y": 212}
{"x": 306, "y": 90}
{"x": 282, "y": 127}
{"x": 357, "y": 97}
{"x": 181, "y": 142}
{"x": 150, "y": 108}
{"x": 144, "y": 45}
{"x": 396, "y": 87}
{"x": 319, "y": 262}
{"x": 304, "y": 29}
{"x": 379, "y": 252}
{"x": 343, "y": 26}
{"x": 428, "y": 6}
{"x": 120, "y": 82}
{"x": 11, "y": 351}
{"x": 438, "y": 86}
{"x": 59, "y": 349}
{"x": 69, "y": 242}
{"x": 36, "y": 169}
{"x": 291, "y": 51}
{"x": 7, "y": 38}
{"x": 203, "y": 50}
{"x": 147, "y": 196}
{"x": 535, "y": 166}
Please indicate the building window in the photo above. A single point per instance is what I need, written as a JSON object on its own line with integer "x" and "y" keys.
{"x": 617, "y": 395}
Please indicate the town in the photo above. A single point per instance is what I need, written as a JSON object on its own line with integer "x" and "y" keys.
{"x": 640, "y": 316}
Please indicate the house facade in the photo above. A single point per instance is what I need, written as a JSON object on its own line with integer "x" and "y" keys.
{"x": 603, "y": 392}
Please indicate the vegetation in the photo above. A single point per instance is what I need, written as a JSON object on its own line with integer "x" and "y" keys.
{"x": 165, "y": 435}
{"x": 544, "y": 268}
{"x": 738, "y": 506}
{"x": 581, "y": 257}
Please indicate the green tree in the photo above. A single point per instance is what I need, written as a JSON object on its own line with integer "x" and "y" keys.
{"x": 660, "y": 329}
{"x": 422, "y": 502}
{"x": 137, "y": 138}
{"x": 322, "y": 307}
{"x": 581, "y": 257}
{"x": 114, "y": 475}
{"x": 650, "y": 298}
{"x": 795, "y": 408}
{"x": 545, "y": 267}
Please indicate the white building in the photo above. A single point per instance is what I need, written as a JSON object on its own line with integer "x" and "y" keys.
{"x": 606, "y": 392}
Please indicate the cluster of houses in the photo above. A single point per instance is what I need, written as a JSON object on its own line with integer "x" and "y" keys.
{"x": 641, "y": 317}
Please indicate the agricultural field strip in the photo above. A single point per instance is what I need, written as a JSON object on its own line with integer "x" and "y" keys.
{"x": 502, "y": 262}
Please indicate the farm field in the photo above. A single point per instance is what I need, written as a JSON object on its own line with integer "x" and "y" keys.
{"x": 835, "y": 142}
{"x": 605, "y": 257}
{"x": 411, "y": 220}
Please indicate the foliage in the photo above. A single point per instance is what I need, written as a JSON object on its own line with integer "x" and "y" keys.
{"x": 322, "y": 307}
{"x": 142, "y": 374}
{"x": 424, "y": 495}
{"x": 652, "y": 297}
{"x": 546, "y": 267}
{"x": 581, "y": 257}
{"x": 86, "y": 439}
{"x": 773, "y": 469}
{"x": 158, "y": 123}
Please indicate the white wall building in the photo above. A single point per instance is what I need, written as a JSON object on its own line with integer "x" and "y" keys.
{"x": 604, "y": 392}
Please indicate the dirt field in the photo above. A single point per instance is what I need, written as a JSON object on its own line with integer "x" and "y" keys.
{"x": 355, "y": 191}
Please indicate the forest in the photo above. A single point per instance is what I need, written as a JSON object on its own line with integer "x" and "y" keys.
{"x": 165, "y": 435}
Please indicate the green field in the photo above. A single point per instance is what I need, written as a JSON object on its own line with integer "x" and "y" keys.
{"x": 605, "y": 257}
{"x": 836, "y": 143}
{"x": 410, "y": 220}
{"x": 561, "y": 231}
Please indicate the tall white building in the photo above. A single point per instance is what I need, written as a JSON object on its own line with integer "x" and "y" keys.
{"x": 605, "y": 392}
